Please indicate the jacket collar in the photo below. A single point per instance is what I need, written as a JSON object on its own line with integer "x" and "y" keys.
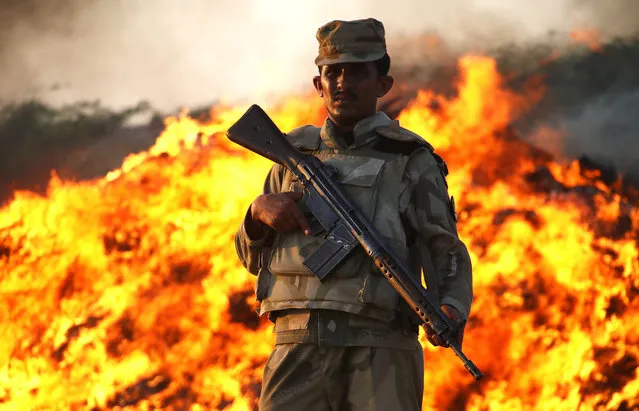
{"x": 363, "y": 132}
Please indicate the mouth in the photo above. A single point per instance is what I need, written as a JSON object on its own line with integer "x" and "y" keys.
{"x": 341, "y": 99}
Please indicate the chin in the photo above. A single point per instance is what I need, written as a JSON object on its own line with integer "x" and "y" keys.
{"x": 346, "y": 115}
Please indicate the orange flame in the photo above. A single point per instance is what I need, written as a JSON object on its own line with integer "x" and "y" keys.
{"x": 126, "y": 292}
{"x": 589, "y": 37}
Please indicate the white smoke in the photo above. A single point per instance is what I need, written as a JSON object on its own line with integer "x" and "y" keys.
{"x": 181, "y": 53}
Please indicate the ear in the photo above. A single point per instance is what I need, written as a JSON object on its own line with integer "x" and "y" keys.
{"x": 384, "y": 84}
{"x": 317, "y": 83}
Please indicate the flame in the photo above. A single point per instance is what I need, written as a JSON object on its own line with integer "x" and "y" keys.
{"x": 589, "y": 37}
{"x": 126, "y": 291}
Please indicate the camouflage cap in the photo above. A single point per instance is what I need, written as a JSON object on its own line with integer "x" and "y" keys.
{"x": 350, "y": 42}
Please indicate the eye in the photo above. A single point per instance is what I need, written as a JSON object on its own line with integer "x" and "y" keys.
{"x": 330, "y": 73}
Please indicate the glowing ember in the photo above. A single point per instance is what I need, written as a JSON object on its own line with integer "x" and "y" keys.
{"x": 127, "y": 291}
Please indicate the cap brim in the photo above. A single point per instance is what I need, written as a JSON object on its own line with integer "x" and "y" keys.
{"x": 349, "y": 58}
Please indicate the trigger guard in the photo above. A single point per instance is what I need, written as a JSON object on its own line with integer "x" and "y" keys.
{"x": 315, "y": 227}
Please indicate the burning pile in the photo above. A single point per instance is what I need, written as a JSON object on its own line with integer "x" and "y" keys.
{"x": 126, "y": 292}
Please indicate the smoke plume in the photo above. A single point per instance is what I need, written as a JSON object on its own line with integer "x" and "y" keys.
{"x": 198, "y": 52}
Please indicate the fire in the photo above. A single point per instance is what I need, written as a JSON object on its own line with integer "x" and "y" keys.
{"x": 126, "y": 291}
{"x": 589, "y": 37}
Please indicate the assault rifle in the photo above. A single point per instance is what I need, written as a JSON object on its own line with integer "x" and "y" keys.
{"x": 345, "y": 225}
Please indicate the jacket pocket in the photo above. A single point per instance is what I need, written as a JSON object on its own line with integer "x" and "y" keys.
{"x": 357, "y": 177}
{"x": 378, "y": 291}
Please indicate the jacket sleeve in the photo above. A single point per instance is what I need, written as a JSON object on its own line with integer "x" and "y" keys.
{"x": 249, "y": 250}
{"x": 429, "y": 212}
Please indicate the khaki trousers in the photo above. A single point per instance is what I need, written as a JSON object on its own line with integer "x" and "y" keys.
{"x": 307, "y": 377}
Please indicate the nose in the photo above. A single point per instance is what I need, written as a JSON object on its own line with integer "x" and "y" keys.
{"x": 341, "y": 78}
{"x": 345, "y": 78}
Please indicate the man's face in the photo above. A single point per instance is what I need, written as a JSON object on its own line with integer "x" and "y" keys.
{"x": 350, "y": 91}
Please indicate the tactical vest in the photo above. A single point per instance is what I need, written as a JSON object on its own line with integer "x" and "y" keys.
{"x": 373, "y": 180}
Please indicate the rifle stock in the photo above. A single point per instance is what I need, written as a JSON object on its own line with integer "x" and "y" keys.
{"x": 345, "y": 225}
{"x": 256, "y": 131}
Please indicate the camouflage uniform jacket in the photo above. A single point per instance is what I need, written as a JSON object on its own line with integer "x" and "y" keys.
{"x": 397, "y": 180}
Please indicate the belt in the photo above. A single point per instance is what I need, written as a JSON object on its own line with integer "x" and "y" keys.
{"x": 338, "y": 328}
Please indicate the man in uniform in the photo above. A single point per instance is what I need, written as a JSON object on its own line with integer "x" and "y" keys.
{"x": 349, "y": 342}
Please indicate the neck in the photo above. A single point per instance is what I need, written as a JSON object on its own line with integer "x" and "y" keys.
{"x": 347, "y": 125}
{"x": 345, "y": 128}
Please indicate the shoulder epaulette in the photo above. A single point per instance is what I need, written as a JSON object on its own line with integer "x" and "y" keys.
{"x": 400, "y": 140}
{"x": 441, "y": 163}
{"x": 395, "y": 132}
{"x": 305, "y": 137}
{"x": 407, "y": 141}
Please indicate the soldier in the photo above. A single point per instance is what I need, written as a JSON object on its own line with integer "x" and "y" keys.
{"x": 349, "y": 342}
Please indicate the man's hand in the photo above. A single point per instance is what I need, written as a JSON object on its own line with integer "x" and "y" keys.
{"x": 455, "y": 316}
{"x": 280, "y": 212}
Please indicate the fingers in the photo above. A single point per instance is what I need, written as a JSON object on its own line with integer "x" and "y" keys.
{"x": 284, "y": 223}
{"x": 296, "y": 212}
{"x": 293, "y": 195}
{"x": 456, "y": 317}
{"x": 451, "y": 312}
{"x": 432, "y": 337}
{"x": 300, "y": 220}
{"x": 281, "y": 212}
{"x": 436, "y": 340}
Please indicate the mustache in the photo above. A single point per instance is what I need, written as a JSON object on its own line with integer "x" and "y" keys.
{"x": 345, "y": 94}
